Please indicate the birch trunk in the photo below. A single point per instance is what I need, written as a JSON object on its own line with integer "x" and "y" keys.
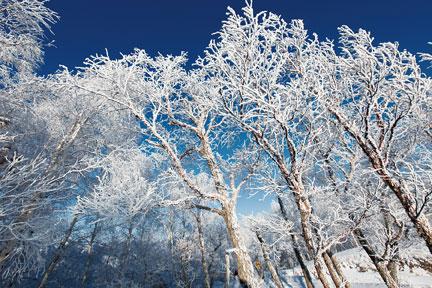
{"x": 333, "y": 274}
{"x": 245, "y": 267}
{"x": 293, "y": 178}
{"x": 392, "y": 243}
{"x": 408, "y": 202}
{"x": 89, "y": 256}
{"x": 300, "y": 259}
{"x": 338, "y": 269}
{"x": 228, "y": 203}
{"x": 318, "y": 263}
{"x": 227, "y": 270}
{"x": 392, "y": 267}
{"x": 306, "y": 274}
{"x": 58, "y": 254}
{"x": 203, "y": 251}
{"x": 379, "y": 264}
{"x": 267, "y": 259}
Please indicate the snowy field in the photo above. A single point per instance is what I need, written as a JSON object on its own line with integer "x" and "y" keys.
{"x": 361, "y": 272}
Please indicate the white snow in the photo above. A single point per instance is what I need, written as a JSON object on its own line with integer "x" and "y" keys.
{"x": 359, "y": 269}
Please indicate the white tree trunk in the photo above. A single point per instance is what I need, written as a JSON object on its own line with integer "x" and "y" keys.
{"x": 379, "y": 264}
{"x": 267, "y": 259}
{"x": 245, "y": 267}
{"x": 57, "y": 254}
{"x": 84, "y": 279}
{"x": 338, "y": 269}
{"x": 227, "y": 270}
{"x": 203, "y": 251}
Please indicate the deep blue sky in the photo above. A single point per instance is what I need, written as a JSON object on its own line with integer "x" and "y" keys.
{"x": 89, "y": 26}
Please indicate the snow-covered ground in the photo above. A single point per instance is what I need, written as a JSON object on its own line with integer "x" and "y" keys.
{"x": 361, "y": 273}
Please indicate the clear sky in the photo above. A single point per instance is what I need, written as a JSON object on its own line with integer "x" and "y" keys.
{"x": 169, "y": 26}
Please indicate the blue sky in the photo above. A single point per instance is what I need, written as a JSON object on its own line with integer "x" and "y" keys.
{"x": 89, "y": 26}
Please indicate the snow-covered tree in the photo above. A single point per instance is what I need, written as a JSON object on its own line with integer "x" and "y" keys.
{"x": 378, "y": 95}
{"x": 22, "y": 28}
{"x": 135, "y": 166}
{"x": 126, "y": 189}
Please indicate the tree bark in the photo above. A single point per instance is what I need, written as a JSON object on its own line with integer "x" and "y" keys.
{"x": 89, "y": 256}
{"x": 408, "y": 202}
{"x": 306, "y": 274}
{"x": 245, "y": 266}
{"x": 379, "y": 264}
{"x": 246, "y": 272}
{"x": 293, "y": 179}
{"x": 203, "y": 251}
{"x": 58, "y": 254}
{"x": 227, "y": 270}
{"x": 267, "y": 259}
{"x": 393, "y": 242}
{"x": 303, "y": 266}
{"x": 126, "y": 252}
{"x": 333, "y": 274}
{"x": 392, "y": 267}
{"x": 338, "y": 269}
{"x": 318, "y": 263}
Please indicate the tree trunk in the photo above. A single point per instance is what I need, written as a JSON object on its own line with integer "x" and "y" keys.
{"x": 293, "y": 179}
{"x": 338, "y": 269}
{"x": 267, "y": 259}
{"x": 305, "y": 214}
{"x": 89, "y": 256}
{"x": 58, "y": 254}
{"x": 245, "y": 267}
{"x": 184, "y": 272}
{"x": 379, "y": 264}
{"x": 392, "y": 267}
{"x": 202, "y": 250}
{"x": 333, "y": 274}
{"x": 297, "y": 252}
{"x": 227, "y": 270}
{"x": 303, "y": 266}
{"x": 126, "y": 252}
{"x": 318, "y": 263}
{"x": 408, "y": 202}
